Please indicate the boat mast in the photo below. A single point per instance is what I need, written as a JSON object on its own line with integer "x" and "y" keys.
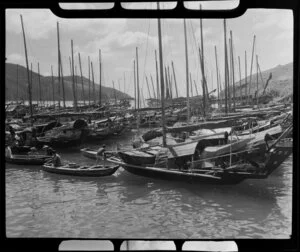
{"x": 58, "y": 67}
{"x": 62, "y": 79}
{"x": 28, "y": 78}
{"x": 81, "y": 78}
{"x": 232, "y": 67}
{"x": 217, "y": 75}
{"x": 187, "y": 72}
{"x": 196, "y": 88}
{"x": 40, "y": 93}
{"x": 154, "y": 94}
{"x": 191, "y": 83}
{"x": 162, "y": 88}
{"x": 205, "y": 90}
{"x": 53, "y": 98}
{"x": 226, "y": 69}
{"x": 89, "y": 80}
{"x": 114, "y": 92}
{"x": 134, "y": 78}
{"x": 256, "y": 80}
{"x": 76, "y": 82}
{"x": 31, "y": 79}
{"x": 94, "y": 91}
{"x": 251, "y": 68}
{"x": 175, "y": 79}
{"x": 73, "y": 78}
{"x": 167, "y": 84}
{"x": 100, "y": 77}
{"x": 148, "y": 86}
{"x": 17, "y": 83}
{"x": 137, "y": 80}
{"x": 157, "y": 77}
{"x": 240, "y": 79}
{"x": 246, "y": 84}
{"x": 170, "y": 83}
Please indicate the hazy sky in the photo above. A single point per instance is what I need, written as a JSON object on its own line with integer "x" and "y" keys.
{"x": 118, "y": 38}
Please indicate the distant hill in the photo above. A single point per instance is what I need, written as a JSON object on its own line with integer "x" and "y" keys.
{"x": 280, "y": 85}
{"x": 46, "y": 86}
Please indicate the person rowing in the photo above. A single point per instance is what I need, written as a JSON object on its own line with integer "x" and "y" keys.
{"x": 100, "y": 154}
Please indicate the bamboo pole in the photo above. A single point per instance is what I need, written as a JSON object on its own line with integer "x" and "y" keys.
{"x": 187, "y": 72}
{"x": 137, "y": 79}
{"x": 226, "y": 69}
{"x": 251, "y": 68}
{"x": 53, "y": 98}
{"x": 157, "y": 77}
{"x": 217, "y": 69}
{"x": 154, "y": 94}
{"x": 100, "y": 77}
{"x": 58, "y": 67}
{"x": 40, "y": 90}
{"x": 135, "y": 95}
{"x": 93, "y": 80}
{"x": 240, "y": 79}
{"x": 73, "y": 77}
{"x": 89, "y": 68}
{"x": 82, "y": 86}
{"x": 62, "y": 80}
{"x": 28, "y": 78}
{"x": 162, "y": 88}
{"x": 175, "y": 80}
{"x": 148, "y": 87}
{"x": 232, "y": 66}
{"x": 246, "y": 84}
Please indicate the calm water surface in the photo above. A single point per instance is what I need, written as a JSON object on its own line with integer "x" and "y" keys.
{"x": 41, "y": 204}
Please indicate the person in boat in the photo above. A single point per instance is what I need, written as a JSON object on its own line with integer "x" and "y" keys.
{"x": 100, "y": 153}
{"x": 48, "y": 150}
{"x": 33, "y": 151}
{"x": 56, "y": 160}
{"x": 8, "y": 152}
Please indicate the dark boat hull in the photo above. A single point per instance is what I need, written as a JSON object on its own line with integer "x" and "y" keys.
{"x": 135, "y": 159}
{"x": 81, "y": 172}
{"x": 27, "y": 161}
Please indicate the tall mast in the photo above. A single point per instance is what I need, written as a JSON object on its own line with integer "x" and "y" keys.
{"x": 205, "y": 93}
{"x": 246, "y": 84}
{"x": 232, "y": 67}
{"x": 249, "y": 93}
{"x": 226, "y": 69}
{"x": 28, "y": 78}
{"x": 187, "y": 72}
{"x": 167, "y": 84}
{"x": 89, "y": 63}
{"x": 175, "y": 79}
{"x": 134, "y": 78}
{"x": 17, "y": 83}
{"x": 137, "y": 77}
{"x": 76, "y": 82}
{"x": 196, "y": 88}
{"x": 170, "y": 83}
{"x": 80, "y": 67}
{"x": 157, "y": 77}
{"x": 154, "y": 93}
{"x": 162, "y": 88}
{"x": 148, "y": 87}
{"x": 31, "y": 80}
{"x": 94, "y": 90}
{"x": 124, "y": 84}
{"x": 73, "y": 78}
{"x": 240, "y": 79}
{"x": 229, "y": 76}
{"x": 114, "y": 92}
{"x": 191, "y": 83}
{"x": 62, "y": 79}
{"x": 40, "y": 90}
{"x": 217, "y": 75}
{"x": 58, "y": 59}
{"x": 256, "y": 80}
{"x": 53, "y": 98}
{"x": 100, "y": 77}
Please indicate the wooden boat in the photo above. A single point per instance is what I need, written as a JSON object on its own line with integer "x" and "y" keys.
{"x": 89, "y": 153}
{"x": 213, "y": 171}
{"x": 77, "y": 170}
{"x": 28, "y": 159}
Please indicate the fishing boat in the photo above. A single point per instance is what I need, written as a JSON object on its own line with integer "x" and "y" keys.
{"x": 28, "y": 159}
{"x": 78, "y": 170}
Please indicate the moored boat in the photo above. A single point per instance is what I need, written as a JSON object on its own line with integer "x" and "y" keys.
{"x": 28, "y": 159}
{"x": 78, "y": 170}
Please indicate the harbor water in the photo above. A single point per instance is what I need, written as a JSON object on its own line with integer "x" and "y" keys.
{"x": 41, "y": 204}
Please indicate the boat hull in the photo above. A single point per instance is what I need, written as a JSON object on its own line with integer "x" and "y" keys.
{"x": 17, "y": 159}
{"x": 81, "y": 172}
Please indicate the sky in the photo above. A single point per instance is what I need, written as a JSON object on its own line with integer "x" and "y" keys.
{"x": 118, "y": 39}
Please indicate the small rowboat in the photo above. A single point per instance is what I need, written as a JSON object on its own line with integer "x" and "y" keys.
{"x": 28, "y": 159}
{"x": 77, "y": 170}
{"x": 90, "y": 153}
